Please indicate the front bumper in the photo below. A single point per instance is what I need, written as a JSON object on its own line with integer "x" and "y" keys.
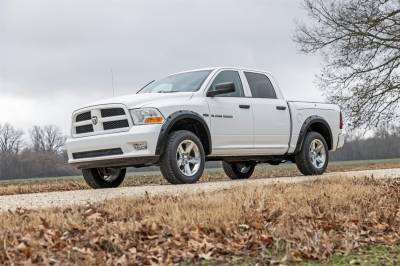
{"x": 94, "y": 148}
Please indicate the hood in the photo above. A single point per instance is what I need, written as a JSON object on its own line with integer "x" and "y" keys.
{"x": 142, "y": 99}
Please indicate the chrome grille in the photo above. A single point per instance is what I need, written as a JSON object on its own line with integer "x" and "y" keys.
{"x": 101, "y": 120}
{"x": 84, "y": 129}
{"x": 83, "y": 117}
{"x": 112, "y": 112}
{"x": 115, "y": 124}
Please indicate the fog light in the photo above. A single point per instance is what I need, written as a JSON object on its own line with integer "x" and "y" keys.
{"x": 140, "y": 146}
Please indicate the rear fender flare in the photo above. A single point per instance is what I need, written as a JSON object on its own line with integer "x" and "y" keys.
{"x": 305, "y": 128}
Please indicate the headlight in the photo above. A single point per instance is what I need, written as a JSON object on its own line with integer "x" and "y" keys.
{"x": 146, "y": 116}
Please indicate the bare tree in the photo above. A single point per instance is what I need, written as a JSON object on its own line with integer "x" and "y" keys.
{"x": 54, "y": 139}
{"x": 10, "y": 139}
{"x": 360, "y": 43}
{"x": 47, "y": 139}
{"x": 46, "y": 157}
{"x": 37, "y": 138}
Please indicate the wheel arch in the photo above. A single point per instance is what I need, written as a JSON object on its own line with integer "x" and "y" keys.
{"x": 185, "y": 120}
{"x": 317, "y": 124}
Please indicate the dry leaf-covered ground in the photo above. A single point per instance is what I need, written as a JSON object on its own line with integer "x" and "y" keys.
{"x": 297, "y": 222}
{"x": 155, "y": 178}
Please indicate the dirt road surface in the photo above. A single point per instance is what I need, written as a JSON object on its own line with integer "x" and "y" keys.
{"x": 67, "y": 198}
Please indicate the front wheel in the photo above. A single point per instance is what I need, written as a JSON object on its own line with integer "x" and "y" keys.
{"x": 183, "y": 159}
{"x": 314, "y": 156}
{"x": 104, "y": 177}
{"x": 239, "y": 170}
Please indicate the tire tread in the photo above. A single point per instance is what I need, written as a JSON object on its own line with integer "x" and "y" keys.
{"x": 94, "y": 181}
{"x": 167, "y": 164}
{"x": 231, "y": 171}
{"x": 302, "y": 159}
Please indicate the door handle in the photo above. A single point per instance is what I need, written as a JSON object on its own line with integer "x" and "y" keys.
{"x": 244, "y": 106}
{"x": 281, "y": 108}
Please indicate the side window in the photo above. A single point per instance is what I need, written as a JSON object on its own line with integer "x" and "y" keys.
{"x": 229, "y": 76}
{"x": 260, "y": 85}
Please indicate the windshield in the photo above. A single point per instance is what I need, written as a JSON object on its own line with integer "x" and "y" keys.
{"x": 184, "y": 82}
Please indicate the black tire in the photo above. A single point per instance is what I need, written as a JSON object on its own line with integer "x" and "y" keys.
{"x": 95, "y": 179}
{"x": 303, "y": 158}
{"x": 274, "y": 162}
{"x": 235, "y": 170}
{"x": 169, "y": 161}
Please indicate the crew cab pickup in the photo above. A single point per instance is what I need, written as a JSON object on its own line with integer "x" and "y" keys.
{"x": 234, "y": 115}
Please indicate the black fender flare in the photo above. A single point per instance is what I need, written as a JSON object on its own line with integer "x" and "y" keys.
{"x": 171, "y": 120}
{"x": 306, "y": 126}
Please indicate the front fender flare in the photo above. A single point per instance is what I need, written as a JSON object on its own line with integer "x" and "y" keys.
{"x": 171, "y": 120}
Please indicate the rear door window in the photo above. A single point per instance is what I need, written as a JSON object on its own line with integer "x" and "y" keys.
{"x": 260, "y": 85}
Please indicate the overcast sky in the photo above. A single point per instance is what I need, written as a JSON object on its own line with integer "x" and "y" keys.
{"x": 55, "y": 56}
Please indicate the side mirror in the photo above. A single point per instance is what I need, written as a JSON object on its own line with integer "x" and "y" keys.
{"x": 222, "y": 88}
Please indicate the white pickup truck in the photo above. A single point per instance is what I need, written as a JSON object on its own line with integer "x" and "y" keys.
{"x": 235, "y": 115}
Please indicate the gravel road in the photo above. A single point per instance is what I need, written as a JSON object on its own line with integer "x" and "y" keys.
{"x": 60, "y": 199}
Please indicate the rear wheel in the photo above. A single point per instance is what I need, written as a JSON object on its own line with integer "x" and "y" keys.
{"x": 238, "y": 170}
{"x": 183, "y": 159}
{"x": 104, "y": 177}
{"x": 314, "y": 156}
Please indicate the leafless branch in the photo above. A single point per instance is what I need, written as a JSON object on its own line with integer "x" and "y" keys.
{"x": 360, "y": 43}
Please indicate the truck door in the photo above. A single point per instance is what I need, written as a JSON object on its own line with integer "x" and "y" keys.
{"x": 231, "y": 117}
{"x": 271, "y": 116}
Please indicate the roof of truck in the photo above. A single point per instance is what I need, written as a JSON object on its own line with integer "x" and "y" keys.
{"x": 225, "y": 67}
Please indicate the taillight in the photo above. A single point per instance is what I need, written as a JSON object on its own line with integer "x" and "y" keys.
{"x": 341, "y": 121}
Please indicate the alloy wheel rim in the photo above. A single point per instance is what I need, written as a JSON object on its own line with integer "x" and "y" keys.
{"x": 243, "y": 168}
{"x": 109, "y": 174}
{"x": 188, "y": 158}
{"x": 317, "y": 153}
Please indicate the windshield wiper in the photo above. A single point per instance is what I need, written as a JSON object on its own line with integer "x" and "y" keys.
{"x": 167, "y": 91}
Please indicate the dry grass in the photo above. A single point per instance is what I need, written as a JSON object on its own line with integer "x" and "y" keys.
{"x": 301, "y": 221}
{"x": 263, "y": 171}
